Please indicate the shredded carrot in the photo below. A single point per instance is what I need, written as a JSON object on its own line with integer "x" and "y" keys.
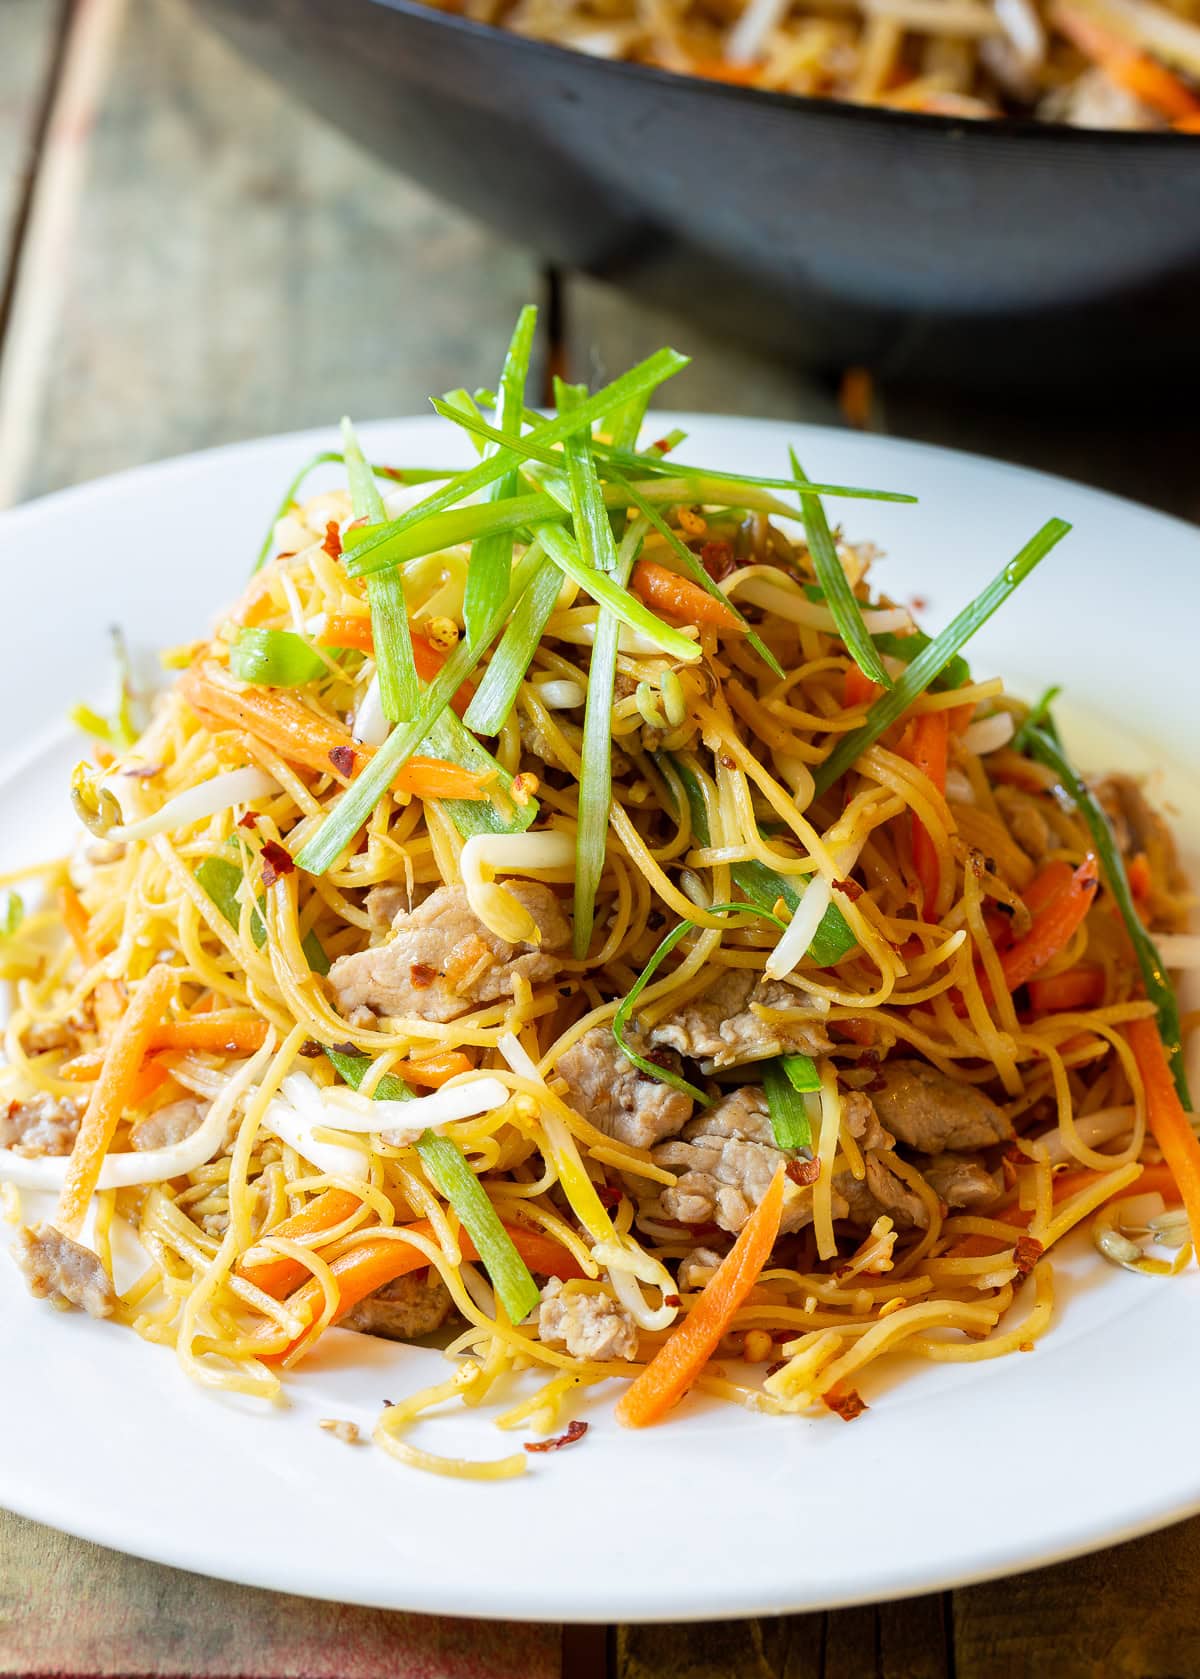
{"x": 721, "y": 70}
{"x": 1132, "y": 69}
{"x": 681, "y": 1358}
{"x": 1052, "y": 926}
{"x": 370, "y": 1265}
{"x": 277, "y": 1275}
{"x": 858, "y": 688}
{"x": 345, "y": 629}
{"x": 108, "y": 993}
{"x": 1187, "y": 125}
{"x": 1077, "y": 988}
{"x": 929, "y": 749}
{"x": 1168, "y": 1123}
{"x": 684, "y": 600}
{"x": 1140, "y": 880}
{"x": 288, "y": 726}
{"x": 229, "y": 1037}
{"x": 856, "y": 398}
{"x": 123, "y": 1061}
{"x": 433, "y": 1071}
{"x": 85, "y": 1069}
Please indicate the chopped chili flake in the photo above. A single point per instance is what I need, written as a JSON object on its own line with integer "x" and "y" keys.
{"x": 850, "y": 888}
{"x": 422, "y": 975}
{"x": 276, "y": 862}
{"x": 333, "y": 540}
{"x": 663, "y": 445}
{"x": 672, "y": 1300}
{"x": 803, "y": 1171}
{"x": 311, "y": 1050}
{"x": 344, "y": 1049}
{"x": 774, "y": 1369}
{"x": 846, "y": 1405}
{"x": 718, "y": 559}
{"x": 250, "y": 820}
{"x": 342, "y": 759}
{"x": 574, "y": 1431}
{"x": 1026, "y": 1254}
{"x": 728, "y": 763}
{"x": 607, "y": 1196}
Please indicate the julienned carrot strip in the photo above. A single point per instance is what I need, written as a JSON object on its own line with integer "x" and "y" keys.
{"x": 721, "y": 70}
{"x": 858, "y": 688}
{"x": 1077, "y": 988}
{"x": 233, "y": 1037}
{"x": 369, "y": 1266}
{"x": 285, "y": 724}
{"x": 1154, "y": 1180}
{"x": 122, "y": 1063}
{"x": 671, "y": 593}
{"x": 1137, "y": 71}
{"x": 433, "y": 1071}
{"x": 1168, "y": 1123}
{"x": 929, "y": 752}
{"x": 275, "y": 1276}
{"x": 1052, "y": 926}
{"x": 1046, "y": 885}
{"x": 75, "y": 919}
{"x": 1140, "y": 880}
{"x": 681, "y": 1358}
{"x": 350, "y": 630}
{"x": 1187, "y": 125}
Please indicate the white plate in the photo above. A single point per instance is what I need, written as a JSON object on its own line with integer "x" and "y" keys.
{"x": 953, "y": 1474}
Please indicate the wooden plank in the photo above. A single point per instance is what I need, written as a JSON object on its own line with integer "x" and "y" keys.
{"x": 227, "y": 265}
{"x": 1130, "y": 1612}
{"x": 604, "y": 331}
{"x": 28, "y": 31}
{"x": 70, "y": 1608}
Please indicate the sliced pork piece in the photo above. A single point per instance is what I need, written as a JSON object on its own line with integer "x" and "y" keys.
{"x": 404, "y": 1309}
{"x": 169, "y": 1125}
{"x": 588, "y": 1325}
{"x": 384, "y": 903}
{"x": 441, "y": 960}
{"x": 618, "y": 1099}
{"x": 862, "y": 1122}
{"x": 727, "y": 1158}
{"x": 723, "y": 1029}
{"x": 57, "y": 1268}
{"x": 42, "y": 1125}
{"x": 881, "y": 1191}
{"x": 931, "y": 1112}
{"x": 962, "y": 1180}
{"x": 696, "y": 1267}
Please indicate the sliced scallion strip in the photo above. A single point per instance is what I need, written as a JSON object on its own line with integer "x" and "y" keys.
{"x": 1039, "y": 718}
{"x": 493, "y": 699}
{"x": 785, "y": 1089}
{"x": 12, "y": 915}
{"x": 609, "y": 594}
{"x": 934, "y": 658}
{"x": 659, "y": 465}
{"x": 274, "y": 658}
{"x": 664, "y": 1075}
{"x": 330, "y": 457}
{"x": 398, "y": 684}
{"x": 954, "y": 673}
{"x": 491, "y": 557}
{"x": 365, "y": 791}
{"x": 222, "y": 881}
{"x": 448, "y": 739}
{"x": 1042, "y": 746}
{"x": 449, "y": 1170}
{"x": 354, "y": 1069}
{"x": 835, "y": 585}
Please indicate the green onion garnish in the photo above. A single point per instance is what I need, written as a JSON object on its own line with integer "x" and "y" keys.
{"x": 934, "y": 658}
{"x": 365, "y": 791}
{"x": 606, "y": 592}
{"x": 833, "y": 938}
{"x": 447, "y": 1168}
{"x": 1039, "y": 718}
{"x": 448, "y": 739}
{"x": 330, "y": 457}
{"x": 222, "y": 881}
{"x": 835, "y": 585}
{"x": 493, "y": 699}
{"x": 274, "y": 659}
{"x": 398, "y": 684}
{"x": 354, "y": 1069}
{"x": 906, "y": 647}
{"x": 646, "y": 376}
{"x": 1042, "y": 746}
{"x": 13, "y": 915}
{"x": 664, "y": 1075}
{"x": 491, "y": 557}
{"x": 787, "y": 1080}
{"x": 704, "y": 478}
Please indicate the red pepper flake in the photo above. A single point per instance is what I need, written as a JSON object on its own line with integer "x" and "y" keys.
{"x": 608, "y": 1197}
{"x": 342, "y": 759}
{"x": 250, "y": 820}
{"x": 774, "y": 1369}
{"x": 393, "y": 472}
{"x": 717, "y": 558}
{"x": 918, "y": 603}
{"x": 333, "y": 540}
{"x": 574, "y": 1431}
{"x": 663, "y": 445}
{"x": 672, "y": 1300}
{"x": 311, "y": 1050}
{"x": 1026, "y": 1254}
{"x": 803, "y": 1171}
{"x": 850, "y": 888}
{"x": 727, "y": 762}
{"x": 846, "y": 1405}
{"x": 422, "y": 975}
{"x": 276, "y": 862}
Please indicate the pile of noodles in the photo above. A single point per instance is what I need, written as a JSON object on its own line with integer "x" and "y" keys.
{"x": 1090, "y": 63}
{"x": 923, "y": 983}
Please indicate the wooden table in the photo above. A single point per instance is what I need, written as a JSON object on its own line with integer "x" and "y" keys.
{"x": 172, "y": 234}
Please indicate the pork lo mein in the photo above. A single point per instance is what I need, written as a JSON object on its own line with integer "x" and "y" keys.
{"x": 564, "y": 910}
